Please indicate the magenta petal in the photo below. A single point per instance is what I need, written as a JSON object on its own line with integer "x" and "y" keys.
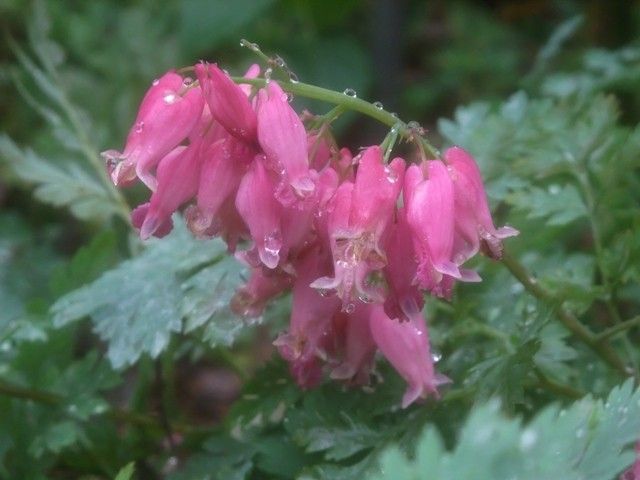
{"x": 472, "y": 216}
{"x": 261, "y": 212}
{"x": 224, "y": 164}
{"x": 283, "y": 138}
{"x": 406, "y": 346}
{"x": 166, "y": 117}
{"x": 359, "y": 348}
{"x": 228, "y": 103}
{"x": 178, "y": 174}
{"x": 430, "y": 214}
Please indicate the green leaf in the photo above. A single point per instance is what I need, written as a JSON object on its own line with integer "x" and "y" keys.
{"x": 201, "y": 307}
{"x": 57, "y": 437}
{"x": 591, "y": 439}
{"x": 62, "y": 185}
{"x": 558, "y": 205}
{"x": 138, "y": 305}
{"x": 86, "y": 265}
{"x": 126, "y": 473}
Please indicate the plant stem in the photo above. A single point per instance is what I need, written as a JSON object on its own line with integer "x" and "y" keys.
{"x": 618, "y": 328}
{"x": 348, "y": 102}
{"x": 557, "y": 387}
{"x": 530, "y": 283}
{"x": 53, "y": 399}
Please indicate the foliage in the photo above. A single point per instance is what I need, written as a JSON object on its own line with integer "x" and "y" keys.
{"x": 122, "y": 360}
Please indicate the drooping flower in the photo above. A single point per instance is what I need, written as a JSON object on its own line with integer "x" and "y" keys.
{"x": 167, "y": 114}
{"x": 310, "y": 326}
{"x": 250, "y": 299}
{"x": 178, "y": 174}
{"x": 261, "y": 212}
{"x": 223, "y": 164}
{"x": 283, "y": 138}
{"x": 358, "y": 216}
{"x": 428, "y": 198}
{"x": 406, "y": 346}
{"x": 404, "y": 298}
{"x": 473, "y": 223}
{"x": 227, "y": 102}
{"x": 356, "y": 348}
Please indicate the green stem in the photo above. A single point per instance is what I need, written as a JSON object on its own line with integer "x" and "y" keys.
{"x": 582, "y": 175}
{"x": 557, "y": 387}
{"x": 530, "y": 283}
{"x": 54, "y": 399}
{"x": 348, "y": 102}
{"x": 618, "y": 328}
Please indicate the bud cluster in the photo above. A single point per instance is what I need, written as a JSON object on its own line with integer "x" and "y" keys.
{"x": 358, "y": 241}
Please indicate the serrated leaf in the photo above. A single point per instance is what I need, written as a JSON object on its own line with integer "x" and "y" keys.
{"x": 88, "y": 262}
{"x": 201, "y": 307}
{"x": 60, "y": 185}
{"x": 138, "y": 305}
{"x": 589, "y": 440}
{"x": 557, "y": 205}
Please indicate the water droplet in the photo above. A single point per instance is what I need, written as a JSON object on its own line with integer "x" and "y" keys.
{"x": 392, "y": 176}
{"x": 413, "y": 124}
{"x": 323, "y": 292}
{"x": 378, "y": 105}
{"x": 279, "y": 61}
{"x": 554, "y": 189}
{"x": 170, "y": 98}
{"x": 155, "y": 82}
{"x": 528, "y": 439}
{"x": 293, "y": 78}
{"x": 349, "y": 308}
{"x": 394, "y": 115}
{"x": 436, "y": 356}
{"x": 267, "y": 74}
{"x": 251, "y": 46}
{"x": 365, "y": 298}
{"x": 139, "y": 126}
{"x": 287, "y": 97}
{"x": 350, "y": 92}
{"x": 187, "y": 81}
{"x": 273, "y": 242}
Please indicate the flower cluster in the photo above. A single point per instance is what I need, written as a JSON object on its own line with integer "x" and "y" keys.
{"x": 357, "y": 240}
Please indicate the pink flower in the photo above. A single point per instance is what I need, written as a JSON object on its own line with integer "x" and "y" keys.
{"x": 356, "y": 346}
{"x": 251, "y": 299}
{"x": 310, "y": 327}
{"x": 227, "y": 102}
{"x": 224, "y": 163}
{"x": 359, "y": 215}
{"x": 428, "y": 198}
{"x": 167, "y": 114}
{"x": 178, "y": 174}
{"x": 283, "y": 138}
{"x": 261, "y": 212}
{"x": 473, "y": 221}
{"x": 404, "y": 299}
{"x": 406, "y": 346}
